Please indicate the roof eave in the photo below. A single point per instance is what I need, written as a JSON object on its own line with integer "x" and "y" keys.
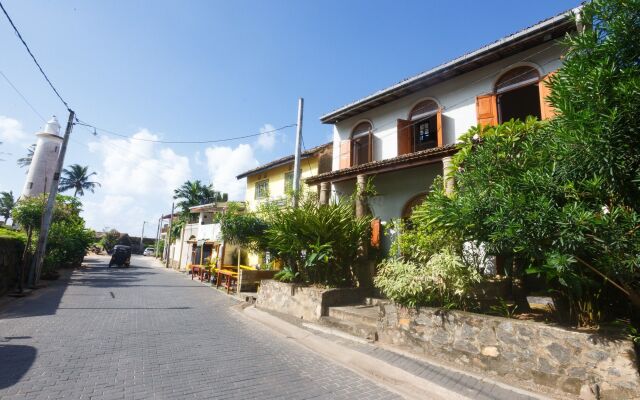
{"x": 394, "y": 92}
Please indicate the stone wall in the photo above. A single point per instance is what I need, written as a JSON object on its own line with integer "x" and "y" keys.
{"x": 248, "y": 280}
{"x": 304, "y": 301}
{"x": 10, "y": 255}
{"x": 570, "y": 361}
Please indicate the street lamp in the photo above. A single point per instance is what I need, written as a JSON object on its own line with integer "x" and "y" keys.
{"x": 142, "y": 238}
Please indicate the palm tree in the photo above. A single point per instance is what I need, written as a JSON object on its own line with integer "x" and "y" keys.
{"x": 7, "y": 202}
{"x": 195, "y": 193}
{"x": 26, "y": 161}
{"x": 77, "y": 177}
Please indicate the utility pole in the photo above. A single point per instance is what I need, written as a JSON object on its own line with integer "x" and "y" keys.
{"x": 158, "y": 236}
{"x": 167, "y": 245}
{"x": 142, "y": 237}
{"x": 48, "y": 211}
{"x": 296, "y": 161}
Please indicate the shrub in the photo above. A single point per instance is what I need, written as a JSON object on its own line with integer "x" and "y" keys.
{"x": 444, "y": 281}
{"x": 319, "y": 244}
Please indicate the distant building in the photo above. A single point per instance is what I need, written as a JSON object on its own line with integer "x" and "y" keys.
{"x": 45, "y": 158}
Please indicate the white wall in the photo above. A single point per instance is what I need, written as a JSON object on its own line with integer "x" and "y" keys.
{"x": 457, "y": 96}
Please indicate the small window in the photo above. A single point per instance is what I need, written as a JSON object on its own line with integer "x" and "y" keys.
{"x": 424, "y": 119}
{"x": 30, "y": 185}
{"x": 55, "y": 150}
{"x": 288, "y": 182}
{"x": 262, "y": 189}
{"x": 361, "y": 144}
{"x": 518, "y": 94}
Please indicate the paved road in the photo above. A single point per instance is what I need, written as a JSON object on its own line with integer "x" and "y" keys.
{"x": 145, "y": 332}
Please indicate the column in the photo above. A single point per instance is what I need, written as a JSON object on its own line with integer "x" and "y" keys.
{"x": 325, "y": 192}
{"x": 361, "y": 207}
{"x": 447, "y": 174}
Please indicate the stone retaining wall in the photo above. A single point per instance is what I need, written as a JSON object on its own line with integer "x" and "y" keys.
{"x": 248, "y": 280}
{"x": 10, "y": 258}
{"x": 571, "y": 361}
{"x": 304, "y": 301}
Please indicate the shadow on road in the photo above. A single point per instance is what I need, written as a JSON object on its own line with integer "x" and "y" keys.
{"x": 15, "y": 362}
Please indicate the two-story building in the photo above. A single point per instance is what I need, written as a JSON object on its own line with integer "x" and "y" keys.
{"x": 273, "y": 181}
{"x": 403, "y": 136}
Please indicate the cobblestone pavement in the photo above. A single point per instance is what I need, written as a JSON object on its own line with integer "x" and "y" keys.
{"x": 146, "y": 332}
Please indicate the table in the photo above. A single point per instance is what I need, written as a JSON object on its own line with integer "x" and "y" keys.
{"x": 229, "y": 274}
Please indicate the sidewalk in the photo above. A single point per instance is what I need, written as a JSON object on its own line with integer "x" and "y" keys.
{"x": 404, "y": 374}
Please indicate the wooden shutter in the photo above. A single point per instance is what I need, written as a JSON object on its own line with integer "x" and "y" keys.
{"x": 486, "y": 110}
{"x": 376, "y": 227}
{"x": 404, "y": 137}
{"x": 546, "y": 109}
{"x": 439, "y": 127}
{"x": 345, "y": 154}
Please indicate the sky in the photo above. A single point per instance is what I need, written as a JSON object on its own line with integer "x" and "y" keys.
{"x": 211, "y": 70}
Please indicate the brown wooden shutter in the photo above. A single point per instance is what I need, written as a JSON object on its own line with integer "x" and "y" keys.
{"x": 486, "y": 110}
{"x": 439, "y": 127}
{"x": 376, "y": 227}
{"x": 546, "y": 109}
{"x": 345, "y": 154}
{"x": 404, "y": 137}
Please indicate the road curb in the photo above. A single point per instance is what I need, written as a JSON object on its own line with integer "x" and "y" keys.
{"x": 390, "y": 377}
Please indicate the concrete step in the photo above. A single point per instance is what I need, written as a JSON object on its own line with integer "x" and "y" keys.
{"x": 375, "y": 301}
{"x": 364, "y": 331}
{"x": 361, "y": 314}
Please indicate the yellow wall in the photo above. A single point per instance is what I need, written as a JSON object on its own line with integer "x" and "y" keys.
{"x": 309, "y": 167}
{"x": 276, "y": 176}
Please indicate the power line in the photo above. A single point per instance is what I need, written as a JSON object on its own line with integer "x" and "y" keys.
{"x": 23, "y": 98}
{"x": 79, "y": 122}
{"x": 34, "y": 58}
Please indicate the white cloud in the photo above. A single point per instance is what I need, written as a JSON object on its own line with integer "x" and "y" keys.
{"x": 267, "y": 140}
{"x": 138, "y": 179}
{"x": 225, "y": 163}
{"x": 11, "y": 130}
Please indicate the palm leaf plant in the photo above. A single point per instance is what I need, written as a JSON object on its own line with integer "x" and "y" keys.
{"x": 77, "y": 177}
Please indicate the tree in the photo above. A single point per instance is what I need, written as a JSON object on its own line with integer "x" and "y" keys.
{"x": 7, "y": 203}
{"x": 195, "y": 193}
{"x": 110, "y": 239}
{"x": 76, "y": 177}
{"x": 26, "y": 161}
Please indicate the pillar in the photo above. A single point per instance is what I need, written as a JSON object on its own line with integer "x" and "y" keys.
{"x": 447, "y": 174}
{"x": 325, "y": 191}
{"x": 361, "y": 207}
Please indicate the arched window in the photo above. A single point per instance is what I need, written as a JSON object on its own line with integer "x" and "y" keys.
{"x": 416, "y": 200}
{"x": 518, "y": 95}
{"x": 424, "y": 121}
{"x": 361, "y": 146}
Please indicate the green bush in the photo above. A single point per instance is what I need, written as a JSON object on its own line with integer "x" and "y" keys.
{"x": 318, "y": 244}
{"x": 444, "y": 281}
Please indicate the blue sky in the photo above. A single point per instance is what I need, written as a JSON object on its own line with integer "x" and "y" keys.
{"x": 205, "y": 70}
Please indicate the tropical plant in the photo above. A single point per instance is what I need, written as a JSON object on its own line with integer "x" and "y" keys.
{"x": 26, "y": 160}
{"x": 444, "y": 281}
{"x": 319, "y": 244}
{"x": 7, "y": 203}
{"x": 109, "y": 239}
{"x": 193, "y": 193}
{"x": 246, "y": 230}
{"x": 77, "y": 177}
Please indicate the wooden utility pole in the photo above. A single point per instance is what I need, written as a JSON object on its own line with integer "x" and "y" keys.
{"x": 48, "y": 211}
{"x": 168, "y": 244}
{"x": 296, "y": 160}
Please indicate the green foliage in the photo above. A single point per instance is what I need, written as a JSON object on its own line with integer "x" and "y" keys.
{"x": 319, "y": 244}
{"x": 26, "y": 160}
{"x": 444, "y": 281}
{"x": 286, "y": 274}
{"x": 246, "y": 230}
{"x": 109, "y": 240}
{"x": 195, "y": 193}
{"x": 7, "y": 203}
{"x": 11, "y": 234}
{"x": 67, "y": 244}
{"x": 28, "y": 211}
{"x": 77, "y": 177}
{"x": 504, "y": 309}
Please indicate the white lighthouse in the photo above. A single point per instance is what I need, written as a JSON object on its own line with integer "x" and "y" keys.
{"x": 45, "y": 158}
